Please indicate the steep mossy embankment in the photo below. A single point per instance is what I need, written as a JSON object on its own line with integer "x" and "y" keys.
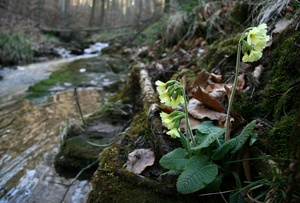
{"x": 271, "y": 99}
{"x": 276, "y": 100}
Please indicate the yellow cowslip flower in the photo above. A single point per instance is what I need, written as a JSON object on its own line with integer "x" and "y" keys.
{"x": 167, "y": 120}
{"x": 257, "y": 37}
{"x": 163, "y": 92}
{"x": 175, "y": 102}
{"x": 253, "y": 56}
{"x": 173, "y": 133}
{"x": 165, "y": 98}
{"x": 161, "y": 87}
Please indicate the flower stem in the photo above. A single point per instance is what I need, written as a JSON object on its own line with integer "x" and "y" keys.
{"x": 237, "y": 66}
{"x": 187, "y": 121}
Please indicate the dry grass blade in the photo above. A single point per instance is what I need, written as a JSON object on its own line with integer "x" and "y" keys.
{"x": 265, "y": 10}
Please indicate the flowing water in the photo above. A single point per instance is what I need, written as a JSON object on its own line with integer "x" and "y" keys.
{"x": 30, "y": 136}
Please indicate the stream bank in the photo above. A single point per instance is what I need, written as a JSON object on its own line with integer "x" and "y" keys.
{"x": 33, "y": 123}
{"x": 271, "y": 100}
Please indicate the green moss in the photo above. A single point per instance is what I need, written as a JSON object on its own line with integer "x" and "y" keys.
{"x": 283, "y": 98}
{"x": 220, "y": 50}
{"x": 279, "y": 137}
{"x": 67, "y": 74}
{"x": 75, "y": 154}
{"x": 238, "y": 15}
{"x": 276, "y": 98}
{"x": 70, "y": 73}
{"x": 150, "y": 34}
{"x": 123, "y": 186}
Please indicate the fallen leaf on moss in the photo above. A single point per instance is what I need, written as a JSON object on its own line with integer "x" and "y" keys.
{"x": 215, "y": 78}
{"x": 139, "y": 159}
{"x": 216, "y": 91}
{"x": 193, "y": 122}
{"x": 200, "y": 80}
{"x": 208, "y": 101}
{"x": 257, "y": 72}
{"x": 199, "y": 111}
{"x": 241, "y": 82}
{"x": 165, "y": 108}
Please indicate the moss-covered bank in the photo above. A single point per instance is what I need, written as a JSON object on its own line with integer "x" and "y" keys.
{"x": 272, "y": 100}
{"x": 276, "y": 100}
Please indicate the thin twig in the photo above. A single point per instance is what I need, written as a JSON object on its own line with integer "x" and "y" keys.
{"x": 215, "y": 193}
{"x": 77, "y": 176}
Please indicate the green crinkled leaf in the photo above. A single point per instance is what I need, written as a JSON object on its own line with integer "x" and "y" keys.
{"x": 198, "y": 173}
{"x": 184, "y": 141}
{"x": 209, "y": 139}
{"x": 214, "y": 186}
{"x": 175, "y": 160}
{"x": 224, "y": 148}
{"x": 245, "y": 134}
{"x": 207, "y": 127}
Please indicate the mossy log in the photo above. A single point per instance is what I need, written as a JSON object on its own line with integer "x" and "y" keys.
{"x": 112, "y": 182}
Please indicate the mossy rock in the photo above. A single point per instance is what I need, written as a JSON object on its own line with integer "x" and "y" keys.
{"x": 75, "y": 154}
{"x": 112, "y": 183}
{"x": 84, "y": 144}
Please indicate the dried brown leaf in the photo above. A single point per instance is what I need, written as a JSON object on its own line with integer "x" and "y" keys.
{"x": 199, "y": 111}
{"x": 257, "y": 72}
{"x": 215, "y": 78}
{"x": 193, "y": 122}
{"x": 246, "y": 163}
{"x": 139, "y": 159}
{"x": 241, "y": 82}
{"x": 200, "y": 80}
{"x": 216, "y": 91}
{"x": 165, "y": 108}
{"x": 207, "y": 101}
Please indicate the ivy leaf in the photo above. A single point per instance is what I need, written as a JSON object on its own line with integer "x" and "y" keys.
{"x": 175, "y": 160}
{"x": 197, "y": 174}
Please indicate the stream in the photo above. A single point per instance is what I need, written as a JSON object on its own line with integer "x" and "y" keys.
{"x": 31, "y": 134}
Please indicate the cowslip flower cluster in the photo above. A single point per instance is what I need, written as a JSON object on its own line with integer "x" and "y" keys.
{"x": 257, "y": 39}
{"x": 170, "y": 93}
{"x": 172, "y": 122}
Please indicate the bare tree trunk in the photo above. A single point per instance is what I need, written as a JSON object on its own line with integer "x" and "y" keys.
{"x": 102, "y": 12}
{"x": 167, "y": 6}
{"x": 92, "y": 16}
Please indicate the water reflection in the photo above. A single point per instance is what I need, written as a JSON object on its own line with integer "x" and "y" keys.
{"x": 30, "y": 138}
